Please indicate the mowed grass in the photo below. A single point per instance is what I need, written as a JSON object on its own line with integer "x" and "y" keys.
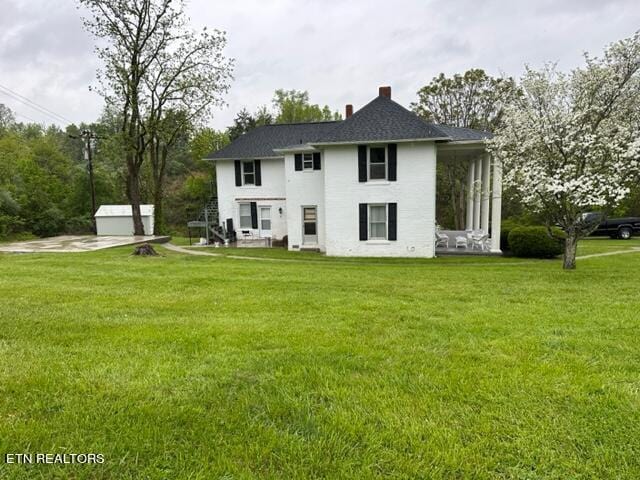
{"x": 212, "y": 367}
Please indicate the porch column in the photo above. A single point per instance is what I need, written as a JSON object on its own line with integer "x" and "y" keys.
{"x": 476, "y": 193}
{"x": 496, "y": 206}
{"x": 484, "y": 210}
{"x": 470, "y": 177}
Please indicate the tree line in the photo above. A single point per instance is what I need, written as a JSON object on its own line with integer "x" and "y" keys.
{"x": 569, "y": 142}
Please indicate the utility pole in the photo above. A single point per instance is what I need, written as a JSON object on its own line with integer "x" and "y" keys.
{"x": 88, "y": 136}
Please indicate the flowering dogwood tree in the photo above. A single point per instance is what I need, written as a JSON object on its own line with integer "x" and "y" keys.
{"x": 571, "y": 143}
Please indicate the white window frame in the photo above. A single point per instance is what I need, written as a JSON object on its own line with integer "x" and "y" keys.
{"x": 305, "y": 160}
{"x": 240, "y": 205}
{"x": 386, "y": 163}
{"x": 386, "y": 221}
{"x": 253, "y": 174}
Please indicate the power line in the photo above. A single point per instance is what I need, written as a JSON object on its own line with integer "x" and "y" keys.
{"x": 30, "y": 103}
{"x": 26, "y": 117}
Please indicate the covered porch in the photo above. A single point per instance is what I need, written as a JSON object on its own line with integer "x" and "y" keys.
{"x": 482, "y": 188}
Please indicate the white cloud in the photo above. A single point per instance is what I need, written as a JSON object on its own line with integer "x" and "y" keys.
{"x": 340, "y": 51}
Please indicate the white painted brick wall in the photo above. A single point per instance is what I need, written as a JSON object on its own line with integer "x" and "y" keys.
{"x": 414, "y": 192}
{"x": 304, "y": 188}
{"x": 273, "y": 186}
{"x": 337, "y": 193}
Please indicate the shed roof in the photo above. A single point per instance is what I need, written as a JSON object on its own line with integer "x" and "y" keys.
{"x": 122, "y": 211}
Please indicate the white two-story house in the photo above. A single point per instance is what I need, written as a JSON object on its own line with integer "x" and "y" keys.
{"x": 363, "y": 186}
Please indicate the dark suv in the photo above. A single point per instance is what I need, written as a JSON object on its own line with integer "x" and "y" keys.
{"x": 623, "y": 228}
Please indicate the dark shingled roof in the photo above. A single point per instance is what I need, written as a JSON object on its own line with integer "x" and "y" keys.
{"x": 261, "y": 141}
{"x": 382, "y": 119}
{"x": 459, "y": 134}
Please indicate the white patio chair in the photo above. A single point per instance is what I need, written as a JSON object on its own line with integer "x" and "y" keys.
{"x": 478, "y": 240}
{"x": 462, "y": 242}
{"x": 442, "y": 239}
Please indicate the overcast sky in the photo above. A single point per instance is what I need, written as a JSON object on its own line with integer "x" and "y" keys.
{"x": 340, "y": 51}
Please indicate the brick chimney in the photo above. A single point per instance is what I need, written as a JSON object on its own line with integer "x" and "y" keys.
{"x": 384, "y": 92}
{"x": 348, "y": 110}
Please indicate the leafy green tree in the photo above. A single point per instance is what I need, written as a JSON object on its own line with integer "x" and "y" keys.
{"x": 7, "y": 118}
{"x": 243, "y": 122}
{"x": 293, "y": 106}
{"x": 472, "y": 100}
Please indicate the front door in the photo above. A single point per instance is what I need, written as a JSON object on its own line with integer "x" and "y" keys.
{"x": 309, "y": 226}
{"x": 265, "y": 222}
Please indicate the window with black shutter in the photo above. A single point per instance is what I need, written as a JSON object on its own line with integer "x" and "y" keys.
{"x": 238, "y": 167}
{"x": 364, "y": 227}
{"x": 254, "y": 215}
{"x": 362, "y": 163}
{"x": 392, "y": 216}
{"x": 248, "y": 173}
{"x": 377, "y": 163}
{"x": 392, "y": 153}
{"x": 258, "y": 172}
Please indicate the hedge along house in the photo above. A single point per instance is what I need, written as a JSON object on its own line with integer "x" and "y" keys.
{"x": 363, "y": 186}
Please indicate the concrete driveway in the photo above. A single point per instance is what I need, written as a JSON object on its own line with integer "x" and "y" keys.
{"x": 76, "y": 243}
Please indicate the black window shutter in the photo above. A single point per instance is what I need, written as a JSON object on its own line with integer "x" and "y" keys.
{"x": 258, "y": 172}
{"x": 362, "y": 163}
{"x": 298, "y": 161}
{"x": 392, "y": 227}
{"x": 316, "y": 160}
{"x": 254, "y": 215}
{"x": 238, "y": 173}
{"x": 230, "y": 225}
{"x": 364, "y": 227}
{"x": 392, "y": 150}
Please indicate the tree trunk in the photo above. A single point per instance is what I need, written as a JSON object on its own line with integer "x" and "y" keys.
{"x": 158, "y": 213}
{"x": 570, "y": 247}
{"x": 158, "y": 155}
{"x": 133, "y": 193}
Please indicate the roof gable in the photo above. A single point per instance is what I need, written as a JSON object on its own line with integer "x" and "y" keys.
{"x": 382, "y": 119}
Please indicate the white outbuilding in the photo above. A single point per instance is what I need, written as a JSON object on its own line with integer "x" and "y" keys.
{"x": 118, "y": 219}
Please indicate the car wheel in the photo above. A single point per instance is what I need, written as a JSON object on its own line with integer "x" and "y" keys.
{"x": 624, "y": 233}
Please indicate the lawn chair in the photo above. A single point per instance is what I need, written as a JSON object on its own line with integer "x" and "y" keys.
{"x": 246, "y": 234}
{"x": 442, "y": 239}
{"x": 462, "y": 242}
{"x": 479, "y": 240}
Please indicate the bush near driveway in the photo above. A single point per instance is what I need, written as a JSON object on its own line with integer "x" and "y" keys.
{"x": 533, "y": 242}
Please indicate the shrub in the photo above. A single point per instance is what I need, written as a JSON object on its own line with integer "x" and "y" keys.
{"x": 79, "y": 225}
{"x": 505, "y": 229}
{"x": 49, "y": 223}
{"x": 533, "y": 242}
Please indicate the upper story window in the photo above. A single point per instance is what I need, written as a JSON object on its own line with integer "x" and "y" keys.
{"x": 377, "y": 163}
{"x": 307, "y": 161}
{"x": 248, "y": 173}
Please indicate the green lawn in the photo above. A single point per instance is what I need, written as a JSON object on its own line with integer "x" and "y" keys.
{"x": 212, "y": 367}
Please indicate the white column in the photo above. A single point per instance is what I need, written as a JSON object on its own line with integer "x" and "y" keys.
{"x": 496, "y": 206}
{"x": 484, "y": 209}
{"x": 476, "y": 194}
{"x": 470, "y": 178}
